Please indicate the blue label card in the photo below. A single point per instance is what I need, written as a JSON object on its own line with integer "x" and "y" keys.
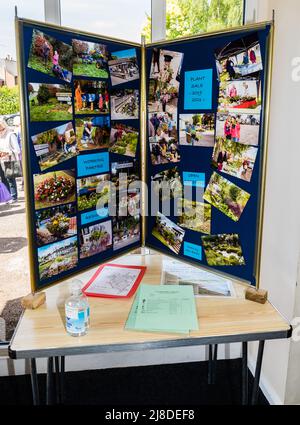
{"x": 192, "y": 250}
{"x": 198, "y": 89}
{"x": 193, "y": 179}
{"x": 91, "y": 216}
{"x": 95, "y": 163}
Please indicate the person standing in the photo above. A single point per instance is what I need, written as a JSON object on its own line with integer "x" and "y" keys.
{"x": 78, "y": 98}
{"x": 46, "y": 52}
{"x": 10, "y": 154}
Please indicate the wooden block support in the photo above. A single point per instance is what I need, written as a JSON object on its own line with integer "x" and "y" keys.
{"x": 33, "y": 301}
{"x": 256, "y": 295}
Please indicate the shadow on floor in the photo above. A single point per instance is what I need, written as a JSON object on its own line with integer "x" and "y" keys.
{"x": 10, "y": 245}
{"x": 12, "y": 212}
{"x": 11, "y": 314}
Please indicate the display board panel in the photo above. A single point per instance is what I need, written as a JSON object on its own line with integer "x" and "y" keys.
{"x": 206, "y": 148}
{"x": 81, "y": 122}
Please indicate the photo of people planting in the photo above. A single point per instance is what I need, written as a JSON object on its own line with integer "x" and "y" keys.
{"x": 223, "y": 250}
{"x": 90, "y": 190}
{"x": 95, "y": 239}
{"x": 242, "y": 128}
{"x": 234, "y": 158}
{"x": 54, "y": 188}
{"x": 91, "y": 97}
{"x": 92, "y": 132}
{"x": 226, "y": 196}
{"x": 56, "y": 223}
{"x": 50, "y": 56}
{"x": 89, "y": 59}
{"x": 50, "y": 102}
{"x": 168, "y": 233}
{"x": 194, "y": 215}
{"x": 197, "y": 129}
{"x": 55, "y": 146}
{"x": 123, "y": 139}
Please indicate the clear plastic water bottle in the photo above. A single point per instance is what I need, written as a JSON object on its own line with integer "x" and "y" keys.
{"x": 76, "y": 311}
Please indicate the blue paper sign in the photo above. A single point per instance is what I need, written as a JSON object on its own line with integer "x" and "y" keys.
{"x": 198, "y": 89}
{"x": 192, "y": 250}
{"x": 91, "y": 216}
{"x": 95, "y": 163}
{"x": 193, "y": 179}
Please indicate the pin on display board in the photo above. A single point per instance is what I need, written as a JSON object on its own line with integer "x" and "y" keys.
{"x": 191, "y": 113}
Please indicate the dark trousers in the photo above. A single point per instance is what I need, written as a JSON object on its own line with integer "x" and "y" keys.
{"x": 12, "y": 187}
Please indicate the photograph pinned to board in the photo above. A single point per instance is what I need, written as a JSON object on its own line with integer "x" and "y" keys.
{"x": 234, "y": 158}
{"x": 114, "y": 281}
{"x": 168, "y": 233}
{"x": 227, "y": 197}
{"x": 55, "y": 223}
{"x": 194, "y": 215}
{"x": 91, "y": 97}
{"x": 240, "y": 96}
{"x": 223, "y": 250}
{"x": 57, "y": 258}
{"x": 123, "y": 66}
{"x": 92, "y": 132}
{"x": 205, "y": 284}
{"x": 126, "y": 231}
{"x": 197, "y": 130}
{"x": 128, "y": 204}
{"x": 167, "y": 184}
{"x": 90, "y": 59}
{"x": 50, "y": 56}
{"x": 95, "y": 239}
{"x": 164, "y": 148}
{"x": 240, "y": 58}
{"x": 91, "y": 190}
{"x": 50, "y": 102}
{"x": 123, "y": 139}
{"x": 54, "y": 188}
{"x": 163, "y": 125}
{"x": 54, "y": 146}
{"x": 242, "y": 128}
{"x": 124, "y": 173}
{"x": 124, "y": 104}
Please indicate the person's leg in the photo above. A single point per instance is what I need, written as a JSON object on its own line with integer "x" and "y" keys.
{"x": 13, "y": 188}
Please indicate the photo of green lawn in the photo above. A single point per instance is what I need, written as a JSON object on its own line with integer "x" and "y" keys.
{"x": 90, "y": 59}
{"x": 223, "y": 250}
{"x": 50, "y": 102}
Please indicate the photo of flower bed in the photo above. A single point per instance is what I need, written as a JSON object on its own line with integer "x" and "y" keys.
{"x": 56, "y": 223}
{"x": 194, "y": 215}
{"x": 123, "y": 140}
{"x": 95, "y": 239}
{"x": 223, "y": 250}
{"x": 57, "y": 258}
{"x": 90, "y": 190}
{"x": 54, "y": 188}
{"x": 126, "y": 231}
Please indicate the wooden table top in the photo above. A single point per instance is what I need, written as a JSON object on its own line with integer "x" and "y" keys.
{"x": 41, "y": 332}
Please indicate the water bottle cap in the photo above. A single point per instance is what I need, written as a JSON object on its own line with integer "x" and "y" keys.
{"x": 76, "y": 286}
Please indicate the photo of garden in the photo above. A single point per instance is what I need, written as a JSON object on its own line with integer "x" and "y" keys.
{"x": 234, "y": 158}
{"x": 239, "y": 58}
{"x": 197, "y": 129}
{"x": 89, "y": 59}
{"x": 57, "y": 257}
{"x": 56, "y": 223}
{"x": 91, "y": 97}
{"x": 124, "y": 173}
{"x": 50, "y": 56}
{"x": 54, "y": 188}
{"x": 55, "y": 146}
{"x": 167, "y": 184}
{"x": 223, "y": 250}
{"x": 123, "y": 139}
{"x": 123, "y": 66}
{"x": 91, "y": 190}
{"x": 226, "y": 196}
{"x": 50, "y": 102}
{"x": 95, "y": 239}
{"x": 242, "y": 128}
{"x": 126, "y": 231}
{"x": 242, "y": 96}
{"x": 194, "y": 215}
{"x": 92, "y": 132}
{"x": 124, "y": 104}
{"x": 168, "y": 233}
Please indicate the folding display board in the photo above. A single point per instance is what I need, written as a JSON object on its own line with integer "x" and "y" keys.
{"x": 187, "y": 117}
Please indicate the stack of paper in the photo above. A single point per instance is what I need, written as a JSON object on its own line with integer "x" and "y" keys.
{"x": 158, "y": 308}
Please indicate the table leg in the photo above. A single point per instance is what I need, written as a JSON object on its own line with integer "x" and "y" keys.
{"x": 245, "y": 374}
{"x": 62, "y": 376}
{"x": 49, "y": 384}
{"x": 210, "y": 363}
{"x": 260, "y": 354}
{"x": 34, "y": 383}
{"x": 57, "y": 380}
{"x": 215, "y": 364}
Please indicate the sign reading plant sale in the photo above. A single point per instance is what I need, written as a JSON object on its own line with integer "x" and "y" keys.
{"x": 198, "y": 89}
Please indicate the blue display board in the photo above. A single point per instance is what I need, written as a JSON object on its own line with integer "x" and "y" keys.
{"x": 205, "y": 142}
